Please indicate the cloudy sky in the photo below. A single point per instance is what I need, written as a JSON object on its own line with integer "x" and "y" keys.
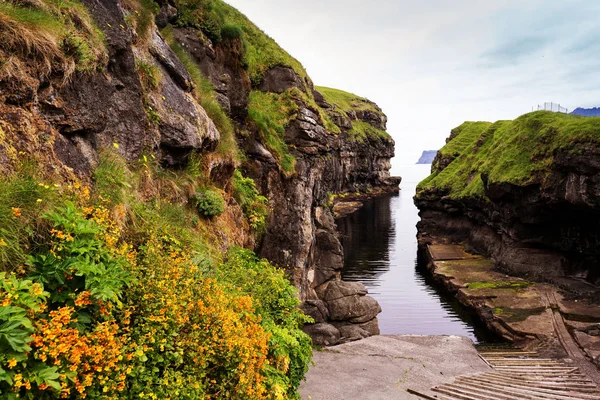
{"x": 433, "y": 64}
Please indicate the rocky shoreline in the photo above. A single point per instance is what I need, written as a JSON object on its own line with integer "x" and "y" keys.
{"x": 518, "y": 311}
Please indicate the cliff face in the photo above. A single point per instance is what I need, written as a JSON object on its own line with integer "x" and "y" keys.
{"x": 176, "y": 78}
{"x": 525, "y": 192}
{"x": 427, "y": 157}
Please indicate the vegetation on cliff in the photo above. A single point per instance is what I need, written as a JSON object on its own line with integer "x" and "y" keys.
{"x": 121, "y": 286}
{"x": 219, "y": 21}
{"x": 348, "y": 104}
{"x": 54, "y": 37}
{"x": 518, "y": 152}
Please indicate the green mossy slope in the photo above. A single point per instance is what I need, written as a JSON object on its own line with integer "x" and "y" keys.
{"x": 517, "y": 152}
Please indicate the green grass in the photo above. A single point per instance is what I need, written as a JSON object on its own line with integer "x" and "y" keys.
{"x": 217, "y": 20}
{"x": 361, "y": 131}
{"x": 60, "y": 31}
{"x": 518, "y": 152}
{"x": 272, "y": 112}
{"x": 499, "y": 285}
{"x": 206, "y": 95}
{"x": 343, "y": 103}
{"x": 346, "y": 101}
{"x": 23, "y": 200}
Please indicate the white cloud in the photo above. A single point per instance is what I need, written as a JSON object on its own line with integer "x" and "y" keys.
{"x": 433, "y": 64}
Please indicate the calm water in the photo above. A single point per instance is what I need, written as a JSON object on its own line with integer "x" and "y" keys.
{"x": 380, "y": 249}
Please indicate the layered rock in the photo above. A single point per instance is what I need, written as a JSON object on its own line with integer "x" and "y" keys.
{"x": 144, "y": 100}
{"x": 524, "y": 192}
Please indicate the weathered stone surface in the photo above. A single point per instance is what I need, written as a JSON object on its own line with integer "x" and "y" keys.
{"x": 170, "y": 62}
{"x": 323, "y": 334}
{"x": 356, "y": 309}
{"x": 279, "y": 79}
{"x": 317, "y": 309}
{"x": 350, "y": 331}
{"x": 184, "y": 125}
{"x": 340, "y": 289}
{"x": 222, "y": 66}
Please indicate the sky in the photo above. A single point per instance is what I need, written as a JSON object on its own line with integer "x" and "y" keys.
{"x": 433, "y": 64}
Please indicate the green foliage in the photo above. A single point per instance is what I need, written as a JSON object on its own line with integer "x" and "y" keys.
{"x": 517, "y": 152}
{"x": 231, "y": 31}
{"x": 22, "y": 201}
{"x": 145, "y": 17}
{"x": 362, "y": 131}
{"x": 66, "y": 23}
{"x": 289, "y": 347}
{"x": 21, "y": 299}
{"x": 209, "y": 203}
{"x": 217, "y": 19}
{"x": 148, "y": 74}
{"x": 206, "y": 95}
{"x": 345, "y": 103}
{"x": 82, "y": 256}
{"x": 272, "y": 112}
{"x": 253, "y": 204}
{"x": 112, "y": 177}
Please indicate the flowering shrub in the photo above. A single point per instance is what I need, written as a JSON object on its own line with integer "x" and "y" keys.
{"x": 91, "y": 315}
{"x": 290, "y": 348}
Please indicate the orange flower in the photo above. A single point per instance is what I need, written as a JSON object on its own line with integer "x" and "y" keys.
{"x": 11, "y": 363}
{"x": 16, "y": 211}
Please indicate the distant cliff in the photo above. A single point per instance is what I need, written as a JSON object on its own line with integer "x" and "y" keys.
{"x": 427, "y": 157}
{"x": 587, "y": 112}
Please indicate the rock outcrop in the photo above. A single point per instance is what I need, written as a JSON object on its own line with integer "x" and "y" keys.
{"x": 524, "y": 192}
{"x": 144, "y": 99}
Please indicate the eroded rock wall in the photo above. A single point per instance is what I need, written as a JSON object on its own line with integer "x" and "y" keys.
{"x": 545, "y": 230}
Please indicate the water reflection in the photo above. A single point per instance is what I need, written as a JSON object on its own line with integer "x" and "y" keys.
{"x": 380, "y": 250}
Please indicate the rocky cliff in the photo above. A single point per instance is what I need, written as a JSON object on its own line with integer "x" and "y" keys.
{"x": 427, "y": 157}
{"x": 525, "y": 192}
{"x": 185, "y": 80}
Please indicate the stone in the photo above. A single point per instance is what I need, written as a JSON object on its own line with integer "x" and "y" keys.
{"x": 322, "y": 334}
{"x": 324, "y": 218}
{"x": 279, "y": 79}
{"x": 170, "y": 62}
{"x": 355, "y": 308}
{"x": 317, "y": 309}
{"x": 350, "y": 331}
{"x": 340, "y": 289}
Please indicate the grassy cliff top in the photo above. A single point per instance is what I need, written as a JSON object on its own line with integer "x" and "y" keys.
{"x": 517, "y": 152}
{"x": 221, "y": 21}
{"x": 346, "y": 101}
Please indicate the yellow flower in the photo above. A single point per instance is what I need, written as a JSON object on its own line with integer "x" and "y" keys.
{"x": 3, "y": 243}
{"x": 16, "y": 211}
{"x": 116, "y": 145}
{"x": 11, "y": 363}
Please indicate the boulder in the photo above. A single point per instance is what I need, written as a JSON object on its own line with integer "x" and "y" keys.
{"x": 323, "y": 334}
{"x": 350, "y": 332}
{"x": 317, "y": 309}
{"x": 279, "y": 79}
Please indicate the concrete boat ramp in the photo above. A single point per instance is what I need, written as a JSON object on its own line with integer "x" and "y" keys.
{"x": 540, "y": 361}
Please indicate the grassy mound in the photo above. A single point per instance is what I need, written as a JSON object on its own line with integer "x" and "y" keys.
{"x": 49, "y": 36}
{"x": 517, "y": 152}
{"x": 346, "y": 103}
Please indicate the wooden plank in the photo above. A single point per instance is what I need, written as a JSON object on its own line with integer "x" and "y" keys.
{"x": 458, "y": 394}
{"x": 482, "y": 391}
{"x": 421, "y": 395}
{"x": 586, "y": 388}
{"x": 534, "y": 388}
{"x": 530, "y": 393}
